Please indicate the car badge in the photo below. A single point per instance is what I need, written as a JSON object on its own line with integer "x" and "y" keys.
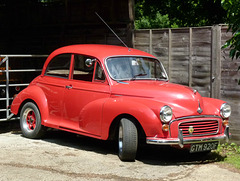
{"x": 190, "y": 130}
{"x": 199, "y": 110}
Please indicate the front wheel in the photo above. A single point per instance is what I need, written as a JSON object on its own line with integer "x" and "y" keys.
{"x": 30, "y": 121}
{"x": 127, "y": 140}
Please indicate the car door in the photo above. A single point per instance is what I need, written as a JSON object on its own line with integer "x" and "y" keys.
{"x": 53, "y": 84}
{"x": 84, "y": 97}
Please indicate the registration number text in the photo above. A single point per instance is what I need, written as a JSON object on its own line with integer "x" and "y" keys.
{"x": 201, "y": 147}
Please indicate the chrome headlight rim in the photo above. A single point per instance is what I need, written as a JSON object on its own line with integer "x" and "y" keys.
{"x": 166, "y": 114}
{"x": 225, "y": 110}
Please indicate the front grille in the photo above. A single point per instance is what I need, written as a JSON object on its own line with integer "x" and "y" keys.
{"x": 203, "y": 127}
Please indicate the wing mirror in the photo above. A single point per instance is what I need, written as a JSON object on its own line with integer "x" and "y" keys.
{"x": 89, "y": 62}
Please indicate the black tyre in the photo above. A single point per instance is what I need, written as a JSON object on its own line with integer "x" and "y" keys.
{"x": 127, "y": 140}
{"x": 30, "y": 121}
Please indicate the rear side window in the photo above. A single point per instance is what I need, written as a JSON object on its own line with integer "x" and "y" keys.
{"x": 59, "y": 66}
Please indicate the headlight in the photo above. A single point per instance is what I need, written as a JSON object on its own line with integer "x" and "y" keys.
{"x": 225, "y": 110}
{"x": 166, "y": 114}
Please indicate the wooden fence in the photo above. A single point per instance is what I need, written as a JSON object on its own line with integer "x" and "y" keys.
{"x": 194, "y": 57}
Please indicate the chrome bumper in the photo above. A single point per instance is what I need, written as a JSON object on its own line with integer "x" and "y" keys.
{"x": 182, "y": 141}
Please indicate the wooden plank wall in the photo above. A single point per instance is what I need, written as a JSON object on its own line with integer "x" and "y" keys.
{"x": 230, "y": 90}
{"x": 193, "y": 57}
{"x": 185, "y": 53}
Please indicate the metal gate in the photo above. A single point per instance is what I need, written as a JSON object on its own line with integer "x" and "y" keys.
{"x": 16, "y": 72}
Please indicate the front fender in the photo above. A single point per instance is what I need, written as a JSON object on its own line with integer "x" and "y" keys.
{"x": 35, "y": 94}
{"x": 140, "y": 108}
{"x": 213, "y": 105}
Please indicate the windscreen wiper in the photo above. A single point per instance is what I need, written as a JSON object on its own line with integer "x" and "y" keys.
{"x": 138, "y": 75}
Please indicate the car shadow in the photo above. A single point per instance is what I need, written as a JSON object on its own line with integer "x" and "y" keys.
{"x": 9, "y": 126}
{"x": 79, "y": 142}
{"x": 148, "y": 154}
{"x": 166, "y": 155}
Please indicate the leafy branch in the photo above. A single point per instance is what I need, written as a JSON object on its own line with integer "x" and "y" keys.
{"x": 233, "y": 20}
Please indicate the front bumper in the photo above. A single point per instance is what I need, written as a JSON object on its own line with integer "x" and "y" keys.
{"x": 181, "y": 141}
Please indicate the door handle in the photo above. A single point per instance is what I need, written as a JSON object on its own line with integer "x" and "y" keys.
{"x": 69, "y": 86}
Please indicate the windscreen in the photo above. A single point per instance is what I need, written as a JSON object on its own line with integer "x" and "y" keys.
{"x": 135, "y": 68}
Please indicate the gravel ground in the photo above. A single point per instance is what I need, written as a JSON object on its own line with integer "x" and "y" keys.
{"x": 65, "y": 156}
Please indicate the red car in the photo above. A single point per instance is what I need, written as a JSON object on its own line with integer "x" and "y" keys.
{"x": 112, "y": 92}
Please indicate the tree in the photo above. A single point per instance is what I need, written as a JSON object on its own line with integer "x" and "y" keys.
{"x": 181, "y": 13}
{"x": 158, "y": 21}
{"x": 233, "y": 19}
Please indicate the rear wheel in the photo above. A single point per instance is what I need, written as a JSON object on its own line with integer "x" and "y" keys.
{"x": 30, "y": 121}
{"x": 127, "y": 140}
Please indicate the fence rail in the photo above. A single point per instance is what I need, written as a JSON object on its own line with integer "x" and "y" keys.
{"x": 16, "y": 82}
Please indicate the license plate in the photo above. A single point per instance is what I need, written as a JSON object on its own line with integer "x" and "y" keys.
{"x": 201, "y": 147}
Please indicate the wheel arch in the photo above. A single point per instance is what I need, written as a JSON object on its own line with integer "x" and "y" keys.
{"x": 142, "y": 112}
{"x": 113, "y": 129}
{"x": 24, "y": 102}
{"x": 32, "y": 94}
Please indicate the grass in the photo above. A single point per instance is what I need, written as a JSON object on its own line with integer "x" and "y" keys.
{"x": 229, "y": 153}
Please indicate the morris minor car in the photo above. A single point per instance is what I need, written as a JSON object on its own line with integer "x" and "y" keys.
{"x": 112, "y": 92}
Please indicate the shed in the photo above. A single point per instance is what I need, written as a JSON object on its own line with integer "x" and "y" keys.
{"x": 40, "y": 26}
{"x": 30, "y": 27}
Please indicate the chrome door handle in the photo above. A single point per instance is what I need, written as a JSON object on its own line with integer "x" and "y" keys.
{"x": 69, "y": 86}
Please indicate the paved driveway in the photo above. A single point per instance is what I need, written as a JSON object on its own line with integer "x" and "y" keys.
{"x": 65, "y": 156}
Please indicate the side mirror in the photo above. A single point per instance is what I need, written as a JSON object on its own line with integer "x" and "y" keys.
{"x": 89, "y": 62}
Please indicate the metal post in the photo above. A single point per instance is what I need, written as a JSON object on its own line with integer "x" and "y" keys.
{"x": 7, "y": 87}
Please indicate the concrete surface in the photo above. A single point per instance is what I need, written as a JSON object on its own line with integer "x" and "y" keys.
{"x": 65, "y": 156}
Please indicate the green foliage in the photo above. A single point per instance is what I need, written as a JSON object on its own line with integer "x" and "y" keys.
{"x": 159, "y": 21}
{"x": 180, "y": 13}
{"x": 230, "y": 153}
{"x": 233, "y": 19}
{"x": 228, "y": 149}
{"x": 150, "y": 19}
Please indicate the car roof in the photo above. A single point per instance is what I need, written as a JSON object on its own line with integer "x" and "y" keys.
{"x": 100, "y": 51}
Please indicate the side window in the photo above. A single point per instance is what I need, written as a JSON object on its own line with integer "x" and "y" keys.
{"x": 99, "y": 74}
{"x": 59, "y": 66}
{"x": 81, "y": 70}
